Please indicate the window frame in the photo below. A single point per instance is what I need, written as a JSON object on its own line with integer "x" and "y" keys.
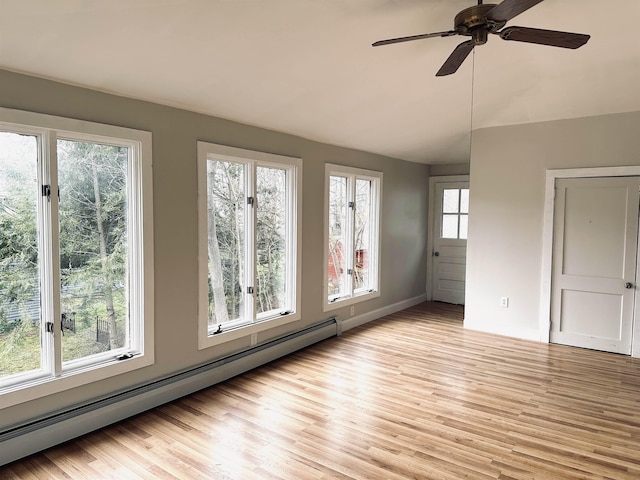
{"x": 353, "y": 174}
{"x": 54, "y": 376}
{"x": 258, "y": 322}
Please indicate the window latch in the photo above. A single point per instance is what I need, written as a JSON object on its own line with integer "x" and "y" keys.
{"x": 250, "y": 290}
{"x": 48, "y": 327}
{"x": 250, "y": 201}
{"x": 46, "y": 191}
{"x": 352, "y": 204}
{"x": 349, "y": 271}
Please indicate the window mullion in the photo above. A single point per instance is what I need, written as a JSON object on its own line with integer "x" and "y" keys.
{"x": 459, "y": 208}
{"x": 350, "y": 237}
{"x": 44, "y": 247}
{"x": 250, "y": 243}
{"x": 55, "y": 254}
{"x": 50, "y": 258}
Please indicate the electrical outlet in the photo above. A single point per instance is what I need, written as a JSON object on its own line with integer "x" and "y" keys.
{"x": 504, "y": 302}
{"x": 352, "y": 311}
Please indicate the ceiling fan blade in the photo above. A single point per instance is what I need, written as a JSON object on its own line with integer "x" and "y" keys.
{"x": 544, "y": 37}
{"x": 509, "y": 9}
{"x": 459, "y": 54}
{"x": 413, "y": 37}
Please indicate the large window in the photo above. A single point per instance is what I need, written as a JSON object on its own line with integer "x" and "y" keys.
{"x": 75, "y": 291}
{"x": 352, "y": 235}
{"x": 249, "y": 251}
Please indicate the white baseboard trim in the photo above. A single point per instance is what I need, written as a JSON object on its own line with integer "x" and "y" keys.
{"x": 358, "y": 320}
{"x": 521, "y": 333}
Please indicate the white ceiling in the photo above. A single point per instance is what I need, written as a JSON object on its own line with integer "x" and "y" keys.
{"x": 307, "y": 67}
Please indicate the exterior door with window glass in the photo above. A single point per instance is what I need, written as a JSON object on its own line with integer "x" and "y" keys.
{"x": 450, "y": 241}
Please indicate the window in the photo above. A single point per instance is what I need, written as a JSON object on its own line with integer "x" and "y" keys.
{"x": 455, "y": 213}
{"x": 249, "y": 242}
{"x": 76, "y": 294}
{"x": 352, "y": 231}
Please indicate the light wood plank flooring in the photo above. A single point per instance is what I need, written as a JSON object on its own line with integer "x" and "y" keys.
{"x": 409, "y": 396}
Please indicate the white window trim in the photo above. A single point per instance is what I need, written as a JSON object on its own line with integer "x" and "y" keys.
{"x": 374, "y": 256}
{"x": 50, "y": 128}
{"x": 222, "y": 152}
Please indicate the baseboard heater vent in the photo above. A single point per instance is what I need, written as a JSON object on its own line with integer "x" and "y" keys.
{"x": 59, "y": 427}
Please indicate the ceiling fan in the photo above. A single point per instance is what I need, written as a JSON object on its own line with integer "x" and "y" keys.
{"x": 480, "y": 20}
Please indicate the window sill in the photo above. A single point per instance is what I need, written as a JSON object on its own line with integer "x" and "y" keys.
{"x": 345, "y": 302}
{"x": 245, "y": 331}
{"x": 49, "y": 385}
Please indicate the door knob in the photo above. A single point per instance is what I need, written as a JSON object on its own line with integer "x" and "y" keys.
{"x": 436, "y": 254}
{"x": 628, "y": 285}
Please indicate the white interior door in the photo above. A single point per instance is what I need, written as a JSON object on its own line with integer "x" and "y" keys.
{"x": 451, "y": 212}
{"x": 594, "y": 262}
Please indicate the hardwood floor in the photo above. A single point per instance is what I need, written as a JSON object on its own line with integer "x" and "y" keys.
{"x": 412, "y": 395}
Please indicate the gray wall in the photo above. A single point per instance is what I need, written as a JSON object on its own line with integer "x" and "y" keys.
{"x": 508, "y": 168}
{"x": 449, "y": 169}
{"x": 175, "y": 132}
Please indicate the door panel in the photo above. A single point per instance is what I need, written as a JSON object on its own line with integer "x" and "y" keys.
{"x": 450, "y": 241}
{"x": 578, "y": 305}
{"x": 594, "y": 257}
{"x": 594, "y": 231}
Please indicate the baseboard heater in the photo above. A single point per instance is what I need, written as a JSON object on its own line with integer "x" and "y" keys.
{"x": 62, "y": 426}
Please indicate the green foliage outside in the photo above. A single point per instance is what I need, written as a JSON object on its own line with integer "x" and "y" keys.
{"x": 92, "y": 217}
{"x": 227, "y": 210}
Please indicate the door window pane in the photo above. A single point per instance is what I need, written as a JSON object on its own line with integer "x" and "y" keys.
{"x": 93, "y": 247}
{"x": 226, "y": 213}
{"x": 464, "y": 222}
{"x": 338, "y": 204}
{"x": 464, "y": 200}
{"x": 449, "y": 226}
{"x": 450, "y": 200}
{"x": 271, "y": 231}
{"x": 19, "y": 283}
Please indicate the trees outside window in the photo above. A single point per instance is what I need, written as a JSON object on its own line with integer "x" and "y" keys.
{"x": 352, "y": 233}
{"x": 72, "y": 260}
{"x": 19, "y": 256}
{"x": 249, "y": 238}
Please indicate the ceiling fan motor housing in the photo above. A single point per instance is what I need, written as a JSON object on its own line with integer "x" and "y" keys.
{"x": 473, "y": 22}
